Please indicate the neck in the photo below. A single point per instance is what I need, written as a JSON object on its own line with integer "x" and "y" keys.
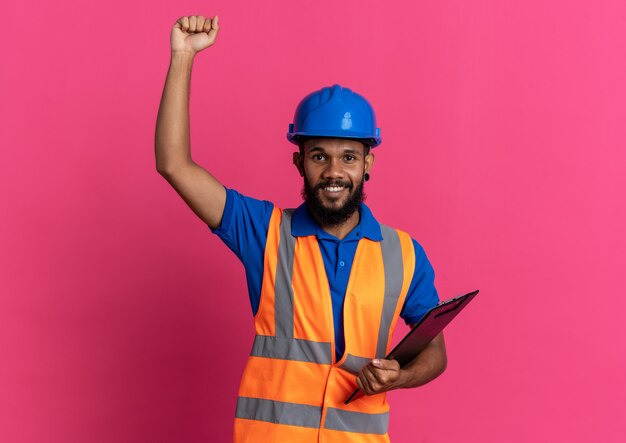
{"x": 340, "y": 231}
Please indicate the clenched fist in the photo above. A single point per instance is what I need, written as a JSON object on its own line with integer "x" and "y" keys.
{"x": 194, "y": 33}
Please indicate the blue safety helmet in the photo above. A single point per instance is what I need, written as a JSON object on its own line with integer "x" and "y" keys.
{"x": 335, "y": 112}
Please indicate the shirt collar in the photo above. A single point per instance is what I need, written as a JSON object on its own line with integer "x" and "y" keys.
{"x": 303, "y": 224}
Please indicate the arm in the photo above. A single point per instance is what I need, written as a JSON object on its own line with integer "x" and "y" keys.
{"x": 384, "y": 375}
{"x": 200, "y": 190}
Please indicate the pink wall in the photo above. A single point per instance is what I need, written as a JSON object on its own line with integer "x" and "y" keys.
{"x": 122, "y": 319}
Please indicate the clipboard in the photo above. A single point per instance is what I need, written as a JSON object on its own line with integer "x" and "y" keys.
{"x": 429, "y": 326}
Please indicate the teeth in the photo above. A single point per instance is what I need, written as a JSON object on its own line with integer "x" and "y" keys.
{"x": 334, "y": 188}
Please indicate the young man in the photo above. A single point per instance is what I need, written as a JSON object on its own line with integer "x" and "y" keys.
{"x": 326, "y": 281}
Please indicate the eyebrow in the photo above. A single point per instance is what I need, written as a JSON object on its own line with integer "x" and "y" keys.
{"x": 346, "y": 151}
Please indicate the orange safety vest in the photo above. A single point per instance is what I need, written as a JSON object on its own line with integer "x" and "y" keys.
{"x": 292, "y": 389}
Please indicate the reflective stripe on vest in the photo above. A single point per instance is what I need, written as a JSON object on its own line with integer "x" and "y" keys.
{"x": 294, "y": 414}
{"x": 350, "y": 421}
{"x": 283, "y": 302}
{"x": 289, "y": 375}
{"x": 292, "y": 349}
{"x": 279, "y": 412}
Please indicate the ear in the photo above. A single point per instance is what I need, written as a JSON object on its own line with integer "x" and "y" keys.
{"x": 369, "y": 162}
{"x": 297, "y": 161}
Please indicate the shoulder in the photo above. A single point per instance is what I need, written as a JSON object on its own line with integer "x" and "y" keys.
{"x": 240, "y": 206}
{"x": 238, "y": 197}
{"x": 245, "y": 221}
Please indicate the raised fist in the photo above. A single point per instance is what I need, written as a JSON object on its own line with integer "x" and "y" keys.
{"x": 193, "y": 33}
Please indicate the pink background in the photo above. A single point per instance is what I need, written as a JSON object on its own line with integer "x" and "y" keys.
{"x": 122, "y": 319}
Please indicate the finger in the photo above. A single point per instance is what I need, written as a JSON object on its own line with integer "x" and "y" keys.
{"x": 192, "y": 23}
{"x": 184, "y": 21}
{"x": 360, "y": 384}
{"x": 366, "y": 384}
{"x": 215, "y": 28}
{"x": 200, "y": 23}
{"x": 374, "y": 382}
{"x": 207, "y": 25}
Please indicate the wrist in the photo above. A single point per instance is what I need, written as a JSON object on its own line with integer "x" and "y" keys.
{"x": 185, "y": 54}
{"x": 404, "y": 379}
{"x": 181, "y": 61}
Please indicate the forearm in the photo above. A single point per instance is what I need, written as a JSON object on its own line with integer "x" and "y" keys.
{"x": 172, "y": 141}
{"x": 428, "y": 365}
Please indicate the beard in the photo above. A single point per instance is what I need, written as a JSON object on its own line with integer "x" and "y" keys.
{"x": 332, "y": 216}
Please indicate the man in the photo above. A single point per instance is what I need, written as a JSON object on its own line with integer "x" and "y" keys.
{"x": 326, "y": 281}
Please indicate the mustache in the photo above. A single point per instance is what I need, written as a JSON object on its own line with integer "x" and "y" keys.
{"x": 325, "y": 184}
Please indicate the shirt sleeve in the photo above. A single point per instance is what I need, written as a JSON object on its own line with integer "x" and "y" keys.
{"x": 244, "y": 229}
{"x": 422, "y": 294}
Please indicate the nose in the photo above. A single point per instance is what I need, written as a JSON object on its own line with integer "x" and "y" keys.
{"x": 334, "y": 169}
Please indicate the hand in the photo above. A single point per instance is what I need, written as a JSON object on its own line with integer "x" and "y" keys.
{"x": 194, "y": 33}
{"x": 379, "y": 376}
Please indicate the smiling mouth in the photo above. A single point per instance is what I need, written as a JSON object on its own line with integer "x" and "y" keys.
{"x": 334, "y": 189}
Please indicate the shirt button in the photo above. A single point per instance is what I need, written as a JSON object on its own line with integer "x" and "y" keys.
{"x": 342, "y": 263}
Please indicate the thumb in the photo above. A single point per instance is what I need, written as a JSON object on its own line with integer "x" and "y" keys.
{"x": 214, "y": 29}
{"x": 391, "y": 365}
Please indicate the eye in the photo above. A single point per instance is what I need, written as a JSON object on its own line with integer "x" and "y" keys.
{"x": 318, "y": 157}
{"x": 349, "y": 158}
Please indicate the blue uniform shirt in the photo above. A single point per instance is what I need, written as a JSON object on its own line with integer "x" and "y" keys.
{"x": 244, "y": 230}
